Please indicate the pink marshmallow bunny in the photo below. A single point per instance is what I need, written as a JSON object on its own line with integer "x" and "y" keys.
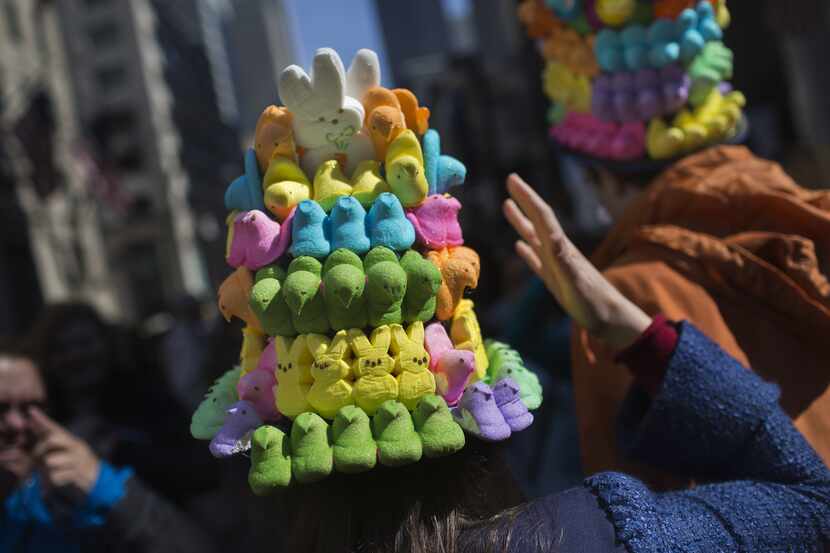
{"x": 258, "y": 240}
{"x": 436, "y": 222}
{"x": 452, "y": 367}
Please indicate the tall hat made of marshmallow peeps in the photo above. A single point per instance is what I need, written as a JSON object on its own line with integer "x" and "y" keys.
{"x": 636, "y": 80}
{"x": 350, "y": 275}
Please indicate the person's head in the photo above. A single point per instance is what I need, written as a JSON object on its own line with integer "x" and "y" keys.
{"x": 616, "y": 190}
{"x": 76, "y": 350}
{"x": 21, "y": 388}
{"x": 463, "y": 502}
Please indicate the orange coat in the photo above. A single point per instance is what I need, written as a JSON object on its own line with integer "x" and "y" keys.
{"x": 728, "y": 241}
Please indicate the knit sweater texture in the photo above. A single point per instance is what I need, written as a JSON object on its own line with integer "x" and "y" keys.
{"x": 717, "y": 421}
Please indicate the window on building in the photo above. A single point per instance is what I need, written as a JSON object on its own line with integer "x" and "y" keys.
{"x": 95, "y": 3}
{"x": 110, "y": 77}
{"x": 12, "y": 20}
{"x": 103, "y": 35}
{"x": 116, "y": 137}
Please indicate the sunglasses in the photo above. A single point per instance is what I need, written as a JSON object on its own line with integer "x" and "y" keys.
{"x": 23, "y": 407}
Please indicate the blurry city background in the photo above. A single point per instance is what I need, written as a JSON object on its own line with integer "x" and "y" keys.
{"x": 124, "y": 120}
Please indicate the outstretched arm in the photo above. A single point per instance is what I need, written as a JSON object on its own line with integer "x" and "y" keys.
{"x": 710, "y": 416}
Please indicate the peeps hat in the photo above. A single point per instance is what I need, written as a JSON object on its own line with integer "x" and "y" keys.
{"x": 350, "y": 274}
{"x": 636, "y": 82}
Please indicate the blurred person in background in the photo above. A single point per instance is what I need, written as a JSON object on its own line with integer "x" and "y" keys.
{"x": 58, "y": 494}
{"x": 703, "y": 228}
{"x": 730, "y": 242}
{"x": 693, "y": 407}
{"x": 107, "y": 385}
{"x": 185, "y": 349}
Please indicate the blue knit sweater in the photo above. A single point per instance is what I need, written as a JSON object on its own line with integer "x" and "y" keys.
{"x": 716, "y": 420}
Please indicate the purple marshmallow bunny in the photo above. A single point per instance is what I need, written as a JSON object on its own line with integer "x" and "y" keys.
{"x": 232, "y": 438}
{"x": 478, "y": 414}
{"x": 506, "y": 392}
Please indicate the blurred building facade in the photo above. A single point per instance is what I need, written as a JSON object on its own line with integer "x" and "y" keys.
{"x": 105, "y": 200}
{"x": 51, "y": 228}
{"x": 263, "y": 41}
{"x": 123, "y": 97}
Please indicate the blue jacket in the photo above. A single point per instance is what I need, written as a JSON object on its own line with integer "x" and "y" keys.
{"x": 28, "y": 524}
{"x": 713, "y": 419}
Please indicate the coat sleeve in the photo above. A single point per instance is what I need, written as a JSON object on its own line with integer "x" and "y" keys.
{"x": 714, "y": 417}
{"x": 601, "y": 385}
{"x": 143, "y": 521}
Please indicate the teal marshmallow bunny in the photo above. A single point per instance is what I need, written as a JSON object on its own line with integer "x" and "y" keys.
{"x": 270, "y": 460}
{"x": 268, "y": 303}
{"x": 344, "y": 284}
{"x": 423, "y": 279}
{"x": 347, "y": 225}
{"x": 440, "y": 434}
{"x": 354, "y": 448}
{"x": 309, "y": 232}
{"x": 394, "y": 432}
{"x": 304, "y": 298}
{"x": 387, "y": 225}
{"x": 311, "y": 453}
{"x": 442, "y": 172}
{"x": 385, "y": 287}
{"x": 245, "y": 192}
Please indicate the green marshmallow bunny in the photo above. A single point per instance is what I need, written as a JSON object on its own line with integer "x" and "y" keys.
{"x": 354, "y": 448}
{"x": 439, "y": 433}
{"x": 506, "y": 362}
{"x": 344, "y": 283}
{"x": 311, "y": 454}
{"x": 267, "y": 301}
{"x": 398, "y": 443}
{"x": 270, "y": 460}
{"x": 304, "y": 298}
{"x": 385, "y": 287}
{"x": 423, "y": 279}
{"x": 210, "y": 415}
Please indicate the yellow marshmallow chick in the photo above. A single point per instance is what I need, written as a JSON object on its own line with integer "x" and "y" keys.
{"x": 285, "y": 185}
{"x": 253, "y": 343}
{"x": 466, "y": 334}
{"x": 405, "y": 169}
{"x": 331, "y": 389}
{"x": 565, "y": 87}
{"x": 662, "y": 140}
{"x": 293, "y": 375}
{"x": 367, "y": 184}
{"x": 411, "y": 364}
{"x": 373, "y": 368}
{"x": 615, "y": 12}
{"x": 330, "y": 183}
{"x": 713, "y": 121}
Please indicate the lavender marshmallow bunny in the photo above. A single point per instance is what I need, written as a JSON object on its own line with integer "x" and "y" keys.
{"x": 327, "y": 122}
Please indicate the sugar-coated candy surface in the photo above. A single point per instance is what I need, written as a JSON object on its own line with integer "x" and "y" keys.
{"x": 349, "y": 274}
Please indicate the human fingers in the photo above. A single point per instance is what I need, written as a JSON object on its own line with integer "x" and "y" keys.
{"x": 530, "y": 257}
{"x": 42, "y": 424}
{"x": 50, "y": 444}
{"x": 537, "y": 210}
{"x": 58, "y": 461}
{"x": 520, "y": 223}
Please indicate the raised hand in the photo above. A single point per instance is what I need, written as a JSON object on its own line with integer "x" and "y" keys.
{"x": 575, "y": 283}
{"x": 63, "y": 459}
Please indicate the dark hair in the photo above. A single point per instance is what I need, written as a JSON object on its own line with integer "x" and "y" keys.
{"x": 465, "y": 502}
{"x": 638, "y": 179}
{"x": 18, "y": 348}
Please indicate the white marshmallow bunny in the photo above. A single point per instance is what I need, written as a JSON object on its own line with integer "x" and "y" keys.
{"x": 363, "y": 74}
{"x": 327, "y": 122}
